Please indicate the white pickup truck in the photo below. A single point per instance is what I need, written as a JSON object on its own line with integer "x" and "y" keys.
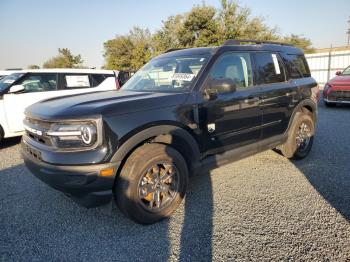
{"x": 24, "y": 88}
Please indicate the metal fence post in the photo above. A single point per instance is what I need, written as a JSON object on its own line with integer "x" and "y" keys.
{"x": 329, "y": 64}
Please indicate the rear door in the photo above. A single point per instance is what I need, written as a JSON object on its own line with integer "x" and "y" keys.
{"x": 37, "y": 87}
{"x": 278, "y": 94}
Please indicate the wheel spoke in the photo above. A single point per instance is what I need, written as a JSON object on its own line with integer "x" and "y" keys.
{"x": 168, "y": 173}
{"x": 158, "y": 186}
{"x": 147, "y": 189}
{"x": 157, "y": 198}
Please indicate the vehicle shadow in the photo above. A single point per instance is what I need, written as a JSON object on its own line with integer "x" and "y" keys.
{"x": 327, "y": 165}
{"x": 50, "y": 221}
{"x": 8, "y": 142}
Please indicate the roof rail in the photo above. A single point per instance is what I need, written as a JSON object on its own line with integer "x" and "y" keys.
{"x": 172, "y": 49}
{"x": 239, "y": 41}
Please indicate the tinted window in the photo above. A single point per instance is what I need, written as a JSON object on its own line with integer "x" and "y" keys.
{"x": 299, "y": 67}
{"x": 269, "y": 68}
{"x": 6, "y": 81}
{"x": 72, "y": 81}
{"x": 97, "y": 79}
{"x": 38, "y": 82}
{"x": 235, "y": 66}
{"x": 123, "y": 77}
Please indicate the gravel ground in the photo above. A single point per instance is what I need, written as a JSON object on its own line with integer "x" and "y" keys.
{"x": 261, "y": 208}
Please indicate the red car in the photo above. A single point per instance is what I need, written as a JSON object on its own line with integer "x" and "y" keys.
{"x": 337, "y": 90}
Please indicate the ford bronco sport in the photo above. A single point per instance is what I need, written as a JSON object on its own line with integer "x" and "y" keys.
{"x": 184, "y": 112}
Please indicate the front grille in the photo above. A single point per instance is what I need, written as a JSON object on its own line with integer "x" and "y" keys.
{"x": 36, "y": 130}
{"x": 339, "y": 96}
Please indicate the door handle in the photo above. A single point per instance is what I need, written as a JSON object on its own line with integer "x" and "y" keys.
{"x": 251, "y": 100}
{"x": 291, "y": 93}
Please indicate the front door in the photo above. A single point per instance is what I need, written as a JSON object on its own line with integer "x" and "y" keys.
{"x": 231, "y": 119}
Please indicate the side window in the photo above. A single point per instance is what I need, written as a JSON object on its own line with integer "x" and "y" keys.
{"x": 74, "y": 81}
{"x": 299, "y": 67}
{"x": 235, "y": 66}
{"x": 39, "y": 82}
{"x": 97, "y": 79}
{"x": 269, "y": 68}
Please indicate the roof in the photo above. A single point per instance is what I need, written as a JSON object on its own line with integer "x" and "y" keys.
{"x": 66, "y": 70}
{"x": 269, "y": 46}
{"x": 7, "y": 72}
{"x": 189, "y": 51}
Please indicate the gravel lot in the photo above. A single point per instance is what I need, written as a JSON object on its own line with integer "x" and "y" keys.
{"x": 261, "y": 208}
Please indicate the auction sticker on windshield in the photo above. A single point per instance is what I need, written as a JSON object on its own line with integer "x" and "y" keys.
{"x": 182, "y": 77}
{"x": 9, "y": 81}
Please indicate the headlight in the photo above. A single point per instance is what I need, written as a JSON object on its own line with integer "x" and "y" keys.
{"x": 75, "y": 135}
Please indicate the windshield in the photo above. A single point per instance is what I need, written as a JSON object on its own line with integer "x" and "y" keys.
{"x": 8, "y": 80}
{"x": 171, "y": 74}
{"x": 346, "y": 71}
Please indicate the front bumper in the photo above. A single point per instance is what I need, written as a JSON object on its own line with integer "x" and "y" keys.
{"x": 336, "y": 101}
{"x": 83, "y": 183}
{"x": 340, "y": 96}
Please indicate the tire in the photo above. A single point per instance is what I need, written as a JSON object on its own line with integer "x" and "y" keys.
{"x": 290, "y": 148}
{"x": 141, "y": 167}
{"x": 329, "y": 104}
{"x": 2, "y": 134}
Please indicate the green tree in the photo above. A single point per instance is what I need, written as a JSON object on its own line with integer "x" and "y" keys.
{"x": 142, "y": 47}
{"x": 168, "y": 36}
{"x": 237, "y": 23}
{"x": 128, "y": 52}
{"x": 118, "y": 53}
{"x": 64, "y": 59}
{"x": 299, "y": 41}
{"x": 33, "y": 67}
{"x": 202, "y": 26}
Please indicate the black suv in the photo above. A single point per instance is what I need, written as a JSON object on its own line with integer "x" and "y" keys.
{"x": 184, "y": 112}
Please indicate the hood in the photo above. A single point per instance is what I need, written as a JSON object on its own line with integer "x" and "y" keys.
{"x": 103, "y": 103}
{"x": 340, "y": 80}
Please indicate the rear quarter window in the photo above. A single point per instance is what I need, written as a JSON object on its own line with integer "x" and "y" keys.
{"x": 97, "y": 79}
{"x": 270, "y": 68}
{"x": 298, "y": 67}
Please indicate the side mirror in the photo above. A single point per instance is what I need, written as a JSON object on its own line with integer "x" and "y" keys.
{"x": 221, "y": 86}
{"x": 16, "y": 89}
{"x": 338, "y": 73}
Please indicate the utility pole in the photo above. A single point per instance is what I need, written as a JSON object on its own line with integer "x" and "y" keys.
{"x": 348, "y": 32}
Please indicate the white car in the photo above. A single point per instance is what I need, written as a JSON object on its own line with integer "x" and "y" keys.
{"x": 24, "y": 88}
{"x": 4, "y": 73}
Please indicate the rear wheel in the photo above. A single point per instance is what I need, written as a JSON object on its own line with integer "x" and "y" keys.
{"x": 1, "y": 134}
{"x": 300, "y": 138}
{"x": 152, "y": 183}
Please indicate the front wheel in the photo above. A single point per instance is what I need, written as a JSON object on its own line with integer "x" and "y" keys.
{"x": 300, "y": 137}
{"x": 1, "y": 134}
{"x": 152, "y": 183}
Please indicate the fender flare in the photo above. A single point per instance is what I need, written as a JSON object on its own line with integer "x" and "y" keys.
{"x": 303, "y": 103}
{"x": 157, "y": 131}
